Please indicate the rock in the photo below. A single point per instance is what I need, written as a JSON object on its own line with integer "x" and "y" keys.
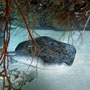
{"x": 51, "y": 51}
{"x": 18, "y": 78}
{"x": 18, "y": 81}
{"x": 12, "y": 78}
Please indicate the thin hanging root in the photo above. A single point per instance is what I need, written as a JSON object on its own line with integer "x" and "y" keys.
{"x": 6, "y": 38}
{"x": 3, "y": 51}
{"x": 37, "y": 46}
{"x": 81, "y": 33}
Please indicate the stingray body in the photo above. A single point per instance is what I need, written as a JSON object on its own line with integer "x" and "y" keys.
{"x": 33, "y": 61}
{"x": 52, "y": 52}
{"x": 26, "y": 59}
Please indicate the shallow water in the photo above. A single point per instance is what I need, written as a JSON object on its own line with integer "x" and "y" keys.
{"x": 75, "y": 77}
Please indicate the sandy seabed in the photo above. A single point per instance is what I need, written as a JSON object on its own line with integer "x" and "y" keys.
{"x": 75, "y": 77}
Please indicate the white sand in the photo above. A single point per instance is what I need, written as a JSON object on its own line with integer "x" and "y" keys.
{"x": 75, "y": 77}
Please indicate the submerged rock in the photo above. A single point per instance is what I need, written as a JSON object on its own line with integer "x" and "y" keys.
{"x": 51, "y": 51}
{"x": 17, "y": 77}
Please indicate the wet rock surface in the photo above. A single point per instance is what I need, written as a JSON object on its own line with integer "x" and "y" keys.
{"x": 51, "y": 51}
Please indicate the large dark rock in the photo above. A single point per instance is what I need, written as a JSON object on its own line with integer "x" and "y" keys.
{"x": 52, "y": 51}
